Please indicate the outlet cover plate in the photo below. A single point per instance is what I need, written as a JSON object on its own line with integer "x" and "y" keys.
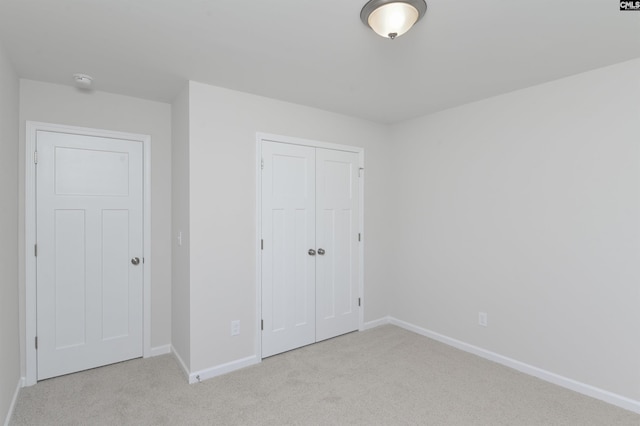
{"x": 482, "y": 319}
{"x": 235, "y": 327}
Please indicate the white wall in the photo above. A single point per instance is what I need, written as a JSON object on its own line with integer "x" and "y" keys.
{"x": 527, "y": 206}
{"x": 180, "y": 291}
{"x": 9, "y": 330}
{"x": 222, "y": 150}
{"x": 524, "y": 206}
{"x": 58, "y": 104}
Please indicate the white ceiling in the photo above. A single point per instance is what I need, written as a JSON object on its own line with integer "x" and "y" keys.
{"x": 317, "y": 53}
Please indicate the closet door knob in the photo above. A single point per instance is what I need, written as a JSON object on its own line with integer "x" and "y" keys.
{"x": 320, "y": 251}
{"x": 312, "y": 252}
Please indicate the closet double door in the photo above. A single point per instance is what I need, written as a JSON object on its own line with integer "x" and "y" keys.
{"x": 310, "y": 236}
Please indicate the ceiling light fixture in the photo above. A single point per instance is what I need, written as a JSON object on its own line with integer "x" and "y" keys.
{"x": 392, "y": 18}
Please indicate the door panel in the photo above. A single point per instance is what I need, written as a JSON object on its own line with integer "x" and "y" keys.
{"x": 288, "y": 272}
{"x": 89, "y": 225}
{"x": 337, "y": 199}
{"x": 115, "y": 280}
{"x": 69, "y": 282}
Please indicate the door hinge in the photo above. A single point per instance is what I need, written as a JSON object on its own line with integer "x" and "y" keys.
{"x": 35, "y": 157}
{"x": 262, "y": 164}
{"x": 359, "y": 302}
{"x": 261, "y": 324}
{"x": 35, "y": 250}
{"x": 261, "y": 244}
{"x": 143, "y": 260}
{"x": 359, "y": 237}
{"x": 360, "y": 170}
{"x": 36, "y": 342}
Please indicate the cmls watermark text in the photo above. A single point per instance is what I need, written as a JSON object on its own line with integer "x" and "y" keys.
{"x": 629, "y": 5}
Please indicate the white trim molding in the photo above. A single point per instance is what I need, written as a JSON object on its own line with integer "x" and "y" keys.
{"x": 267, "y": 137}
{"x": 160, "y": 350}
{"x": 375, "y": 323}
{"x": 12, "y": 406}
{"x": 177, "y": 356}
{"x": 32, "y": 128}
{"x": 218, "y": 370}
{"x": 556, "y": 379}
{"x": 258, "y": 322}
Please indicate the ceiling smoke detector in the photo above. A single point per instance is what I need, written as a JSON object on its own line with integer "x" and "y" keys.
{"x": 83, "y": 81}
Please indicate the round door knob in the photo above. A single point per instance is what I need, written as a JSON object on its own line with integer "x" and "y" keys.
{"x": 320, "y": 251}
{"x": 312, "y": 252}
{"x": 135, "y": 261}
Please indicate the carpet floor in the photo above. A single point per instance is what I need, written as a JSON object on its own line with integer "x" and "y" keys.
{"x": 383, "y": 376}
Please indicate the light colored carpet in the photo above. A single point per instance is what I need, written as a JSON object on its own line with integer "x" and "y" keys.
{"x": 385, "y": 376}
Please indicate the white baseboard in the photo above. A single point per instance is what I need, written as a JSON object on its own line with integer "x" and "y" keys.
{"x": 221, "y": 369}
{"x": 185, "y": 370}
{"x": 218, "y": 370}
{"x": 565, "y": 382}
{"x": 375, "y": 323}
{"x": 160, "y": 350}
{"x": 21, "y": 382}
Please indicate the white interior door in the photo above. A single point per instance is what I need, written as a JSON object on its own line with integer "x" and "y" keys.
{"x": 310, "y": 224}
{"x": 288, "y": 271}
{"x": 337, "y": 228}
{"x": 89, "y": 235}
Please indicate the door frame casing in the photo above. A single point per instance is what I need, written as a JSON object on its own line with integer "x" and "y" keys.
{"x": 267, "y": 137}
{"x": 30, "y": 312}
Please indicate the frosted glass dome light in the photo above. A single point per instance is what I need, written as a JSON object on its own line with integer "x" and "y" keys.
{"x": 392, "y": 18}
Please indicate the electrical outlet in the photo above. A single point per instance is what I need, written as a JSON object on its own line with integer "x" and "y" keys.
{"x": 235, "y": 327}
{"x": 482, "y": 319}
